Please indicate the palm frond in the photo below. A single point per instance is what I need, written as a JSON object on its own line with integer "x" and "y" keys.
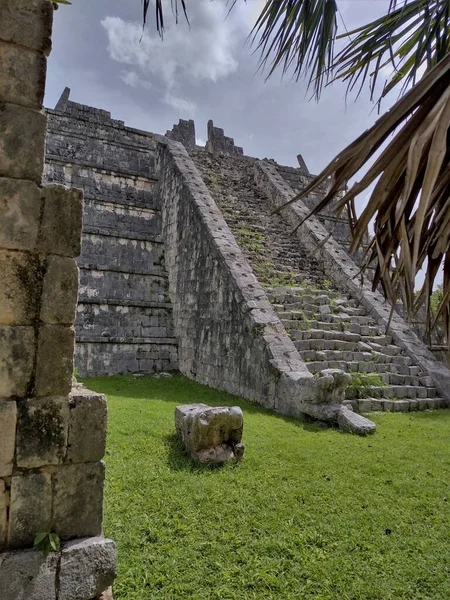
{"x": 159, "y": 12}
{"x": 299, "y": 34}
{"x": 410, "y": 204}
{"x": 412, "y": 37}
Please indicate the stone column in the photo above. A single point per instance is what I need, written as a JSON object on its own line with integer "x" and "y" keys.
{"x": 52, "y": 438}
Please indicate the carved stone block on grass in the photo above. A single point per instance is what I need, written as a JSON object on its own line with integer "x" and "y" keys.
{"x": 210, "y": 434}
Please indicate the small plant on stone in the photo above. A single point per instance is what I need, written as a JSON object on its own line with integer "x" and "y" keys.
{"x": 361, "y": 385}
{"x": 47, "y": 542}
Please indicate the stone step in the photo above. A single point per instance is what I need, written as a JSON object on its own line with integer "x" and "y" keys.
{"x": 399, "y": 391}
{"x": 350, "y": 355}
{"x": 399, "y": 379}
{"x": 383, "y": 404}
{"x": 358, "y": 367}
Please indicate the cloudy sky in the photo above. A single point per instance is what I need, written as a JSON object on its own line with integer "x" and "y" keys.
{"x": 203, "y": 71}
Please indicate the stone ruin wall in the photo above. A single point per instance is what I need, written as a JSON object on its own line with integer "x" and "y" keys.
{"x": 124, "y": 316}
{"x": 52, "y": 438}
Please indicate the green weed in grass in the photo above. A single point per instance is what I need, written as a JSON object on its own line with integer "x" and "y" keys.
{"x": 310, "y": 513}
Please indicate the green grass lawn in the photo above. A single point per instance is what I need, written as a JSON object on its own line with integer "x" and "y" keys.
{"x": 309, "y": 512}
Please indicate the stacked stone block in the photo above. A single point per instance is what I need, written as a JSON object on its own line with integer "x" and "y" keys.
{"x": 184, "y": 132}
{"x": 51, "y": 474}
{"x": 124, "y": 320}
{"x": 220, "y": 143}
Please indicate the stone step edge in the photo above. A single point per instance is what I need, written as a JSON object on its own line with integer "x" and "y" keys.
{"x": 401, "y": 405}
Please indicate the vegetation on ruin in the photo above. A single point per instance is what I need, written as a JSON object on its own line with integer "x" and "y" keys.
{"x": 310, "y": 512}
{"x": 403, "y": 161}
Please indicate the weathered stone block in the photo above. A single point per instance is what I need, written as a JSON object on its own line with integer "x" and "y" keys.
{"x": 8, "y": 419}
{"x": 88, "y": 568}
{"x": 20, "y": 206}
{"x": 78, "y": 500}
{"x": 22, "y": 137}
{"x": 365, "y": 405}
{"x": 60, "y": 291}
{"x": 210, "y": 434}
{"x": 17, "y": 349}
{"x": 31, "y": 507}
{"x": 353, "y": 423}
{"x": 27, "y": 575}
{"x": 42, "y": 426}
{"x": 3, "y": 513}
{"x": 87, "y": 426}
{"x": 331, "y": 386}
{"x": 19, "y": 292}
{"x": 22, "y": 78}
{"x": 27, "y": 22}
{"x": 54, "y": 366}
{"x": 401, "y": 406}
{"x": 62, "y": 221}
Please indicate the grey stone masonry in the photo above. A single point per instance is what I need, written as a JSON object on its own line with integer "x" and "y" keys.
{"x": 124, "y": 317}
{"x": 184, "y": 132}
{"x": 218, "y": 142}
{"x": 51, "y": 470}
{"x": 342, "y": 271}
{"x": 229, "y": 336}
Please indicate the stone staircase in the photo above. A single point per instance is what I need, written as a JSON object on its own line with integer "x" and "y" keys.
{"x": 331, "y": 331}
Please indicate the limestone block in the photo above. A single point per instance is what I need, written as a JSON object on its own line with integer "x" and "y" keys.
{"x": 60, "y": 291}
{"x": 3, "y": 513}
{"x": 353, "y": 423}
{"x": 19, "y": 292}
{"x": 401, "y": 406}
{"x": 78, "y": 500}
{"x": 22, "y": 137}
{"x": 365, "y": 405}
{"x": 210, "y": 434}
{"x": 87, "y": 426}
{"x": 22, "y": 77}
{"x": 31, "y": 507}
{"x": 42, "y": 426}
{"x": 88, "y": 568}
{"x": 20, "y": 207}
{"x": 62, "y": 221}
{"x": 27, "y": 575}
{"x": 8, "y": 419}
{"x": 27, "y": 22}
{"x": 17, "y": 349}
{"x": 54, "y": 366}
{"x": 331, "y": 386}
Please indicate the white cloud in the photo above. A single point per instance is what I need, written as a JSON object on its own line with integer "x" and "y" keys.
{"x": 132, "y": 79}
{"x": 182, "y": 105}
{"x": 204, "y": 52}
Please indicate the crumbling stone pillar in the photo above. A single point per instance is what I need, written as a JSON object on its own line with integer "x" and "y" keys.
{"x": 184, "y": 132}
{"x": 220, "y": 143}
{"x": 51, "y": 474}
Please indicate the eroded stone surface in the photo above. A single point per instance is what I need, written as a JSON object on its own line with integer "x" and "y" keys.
{"x": 27, "y": 575}
{"x": 8, "y": 418}
{"x": 17, "y": 349}
{"x": 210, "y": 434}
{"x": 78, "y": 500}
{"x": 87, "y": 426}
{"x": 42, "y": 431}
{"x": 331, "y": 385}
{"x": 60, "y": 291}
{"x": 3, "y": 513}
{"x": 31, "y": 507}
{"x": 88, "y": 568}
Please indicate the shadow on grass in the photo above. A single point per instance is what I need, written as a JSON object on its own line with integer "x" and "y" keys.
{"x": 178, "y": 460}
{"x": 180, "y": 390}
